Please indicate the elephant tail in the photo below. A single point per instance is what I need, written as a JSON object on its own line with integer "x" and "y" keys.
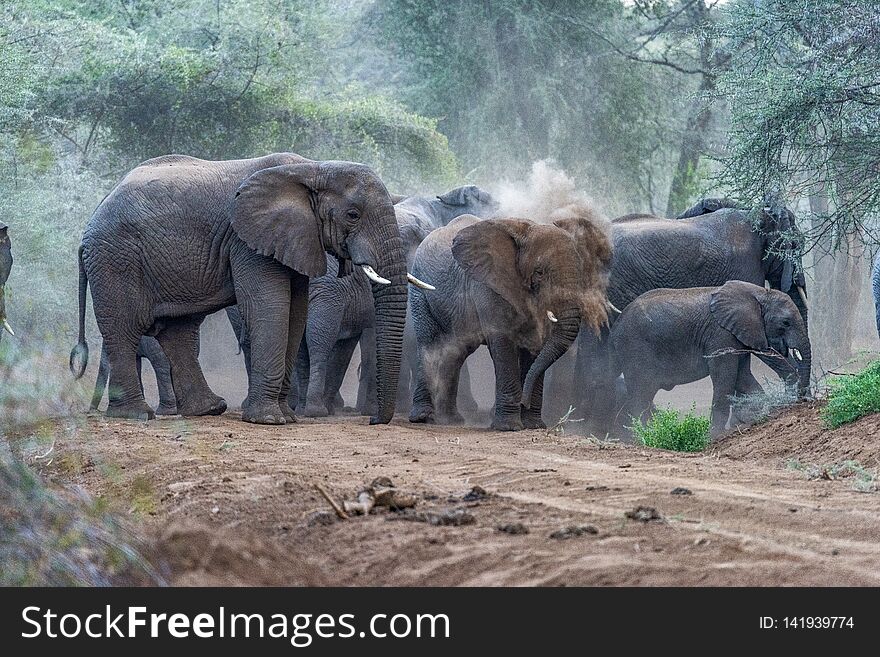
{"x": 79, "y": 355}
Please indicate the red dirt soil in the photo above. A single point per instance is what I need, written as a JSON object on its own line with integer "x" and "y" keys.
{"x": 225, "y": 502}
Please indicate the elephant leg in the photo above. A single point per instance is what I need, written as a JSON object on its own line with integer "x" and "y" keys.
{"x": 508, "y": 389}
{"x": 339, "y": 362}
{"x": 297, "y": 319}
{"x": 429, "y": 355}
{"x": 746, "y": 384}
{"x": 179, "y": 340}
{"x": 594, "y": 382}
{"x": 639, "y": 405}
{"x": 241, "y": 336}
{"x": 723, "y": 371}
{"x": 466, "y": 402}
{"x": 322, "y": 336}
{"x": 532, "y": 416}
{"x": 125, "y": 391}
{"x": 101, "y": 381}
{"x": 448, "y": 367}
{"x": 152, "y": 351}
{"x": 263, "y": 291}
{"x": 366, "y": 401}
{"x": 300, "y": 382}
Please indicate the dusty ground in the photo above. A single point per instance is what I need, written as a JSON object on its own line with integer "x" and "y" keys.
{"x": 231, "y": 503}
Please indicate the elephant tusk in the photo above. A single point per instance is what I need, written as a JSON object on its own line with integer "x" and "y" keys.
{"x": 766, "y": 285}
{"x": 551, "y": 317}
{"x": 415, "y": 281}
{"x": 803, "y": 294}
{"x": 795, "y": 353}
{"x": 8, "y": 328}
{"x": 373, "y": 276}
{"x": 613, "y": 307}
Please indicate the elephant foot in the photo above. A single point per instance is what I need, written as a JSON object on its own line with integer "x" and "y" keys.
{"x": 289, "y": 415}
{"x": 166, "y": 409}
{"x": 421, "y": 415}
{"x": 211, "y": 406}
{"x": 507, "y": 424}
{"x": 315, "y": 410}
{"x": 136, "y": 411}
{"x": 263, "y": 414}
{"x": 350, "y": 410}
{"x": 532, "y": 421}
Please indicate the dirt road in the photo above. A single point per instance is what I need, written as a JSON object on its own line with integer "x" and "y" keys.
{"x": 231, "y": 503}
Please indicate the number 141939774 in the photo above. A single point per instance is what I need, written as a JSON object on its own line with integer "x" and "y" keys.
{"x": 812, "y": 623}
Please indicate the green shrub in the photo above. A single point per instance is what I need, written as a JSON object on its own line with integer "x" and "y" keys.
{"x": 853, "y": 396}
{"x": 666, "y": 430}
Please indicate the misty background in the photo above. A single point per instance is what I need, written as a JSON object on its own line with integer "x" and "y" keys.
{"x": 642, "y": 105}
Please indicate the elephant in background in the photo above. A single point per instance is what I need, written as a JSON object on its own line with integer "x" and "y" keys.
{"x": 341, "y": 314}
{"x": 179, "y": 238}
{"x": 520, "y": 287}
{"x": 5, "y": 268}
{"x": 150, "y": 349}
{"x": 700, "y": 250}
{"x": 668, "y": 337}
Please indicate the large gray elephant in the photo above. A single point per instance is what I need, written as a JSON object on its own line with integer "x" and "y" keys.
{"x": 519, "y": 287}
{"x": 341, "y": 313}
{"x": 668, "y": 337}
{"x": 180, "y": 238}
{"x": 5, "y": 268}
{"x": 701, "y": 249}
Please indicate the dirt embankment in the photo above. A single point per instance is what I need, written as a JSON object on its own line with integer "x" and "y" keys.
{"x": 230, "y": 503}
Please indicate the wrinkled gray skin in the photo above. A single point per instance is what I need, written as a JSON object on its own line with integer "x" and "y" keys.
{"x": 5, "y": 268}
{"x": 180, "y": 238}
{"x": 496, "y": 280}
{"x": 341, "y": 314}
{"x": 670, "y": 337}
{"x": 699, "y": 250}
{"x": 150, "y": 349}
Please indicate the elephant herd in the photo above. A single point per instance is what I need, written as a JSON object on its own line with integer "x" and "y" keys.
{"x": 311, "y": 258}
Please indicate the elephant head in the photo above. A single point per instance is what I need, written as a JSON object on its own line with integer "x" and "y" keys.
{"x": 782, "y": 250}
{"x": 469, "y": 199}
{"x": 5, "y": 267}
{"x": 555, "y": 276}
{"x": 297, "y": 212}
{"x": 766, "y": 320}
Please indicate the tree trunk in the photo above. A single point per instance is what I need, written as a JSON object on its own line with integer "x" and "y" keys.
{"x": 839, "y": 277}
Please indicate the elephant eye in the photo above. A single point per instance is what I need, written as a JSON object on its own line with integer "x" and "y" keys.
{"x": 353, "y": 214}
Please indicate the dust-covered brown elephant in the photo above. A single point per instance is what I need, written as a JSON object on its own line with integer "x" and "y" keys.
{"x": 520, "y": 287}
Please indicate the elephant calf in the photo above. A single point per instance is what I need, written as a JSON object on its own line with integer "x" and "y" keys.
{"x": 668, "y": 337}
{"x": 519, "y": 287}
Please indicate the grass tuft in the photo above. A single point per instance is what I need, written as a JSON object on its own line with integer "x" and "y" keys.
{"x": 666, "y": 430}
{"x": 853, "y": 396}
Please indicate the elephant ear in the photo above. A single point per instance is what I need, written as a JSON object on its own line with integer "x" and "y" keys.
{"x": 736, "y": 308}
{"x": 488, "y": 252}
{"x": 273, "y": 214}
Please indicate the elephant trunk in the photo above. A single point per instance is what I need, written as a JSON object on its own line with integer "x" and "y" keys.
{"x": 390, "y": 303}
{"x": 564, "y": 333}
{"x": 804, "y": 367}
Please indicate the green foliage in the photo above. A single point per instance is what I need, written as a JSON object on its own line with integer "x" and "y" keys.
{"x": 511, "y": 82}
{"x": 803, "y": 90}
{"x": 666, "y": 430}
{"x": 853, "y": 396}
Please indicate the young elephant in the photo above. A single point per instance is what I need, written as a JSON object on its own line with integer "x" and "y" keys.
{"x": 519, "y": 287}
{"x": 668, "y": 337}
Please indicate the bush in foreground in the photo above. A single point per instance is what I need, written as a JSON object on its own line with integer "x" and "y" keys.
{"x": 853, "y": 396}
{"x": 666, "y": 430}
